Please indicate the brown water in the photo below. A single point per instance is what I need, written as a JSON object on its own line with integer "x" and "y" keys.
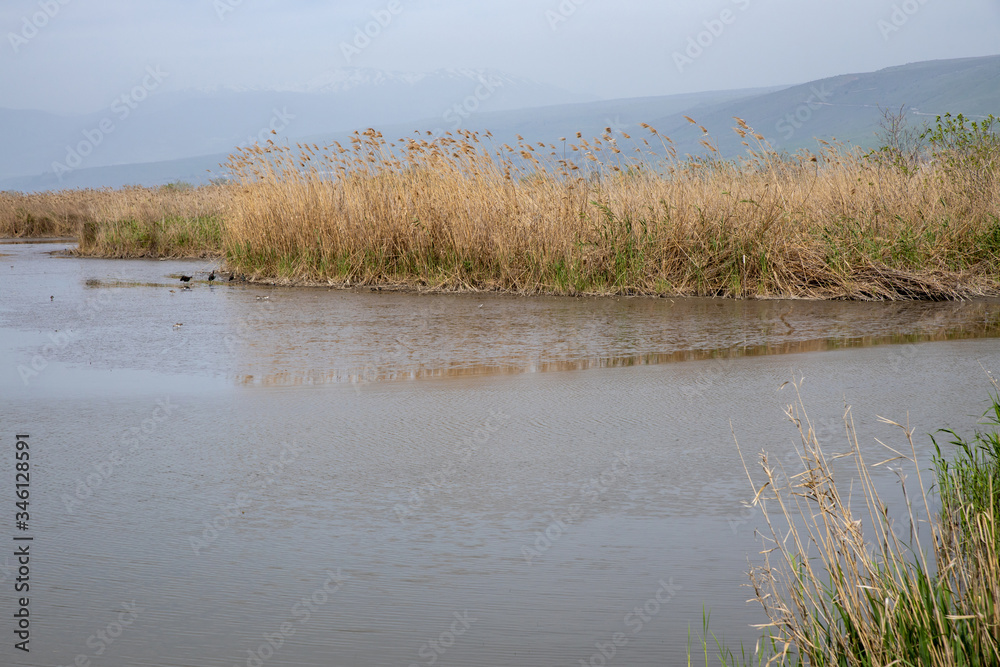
{"x": 497, "y": 480}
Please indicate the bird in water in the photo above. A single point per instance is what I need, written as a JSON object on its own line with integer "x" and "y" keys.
{"x": 211, "y": 276}
{"x": 185, "y": 279}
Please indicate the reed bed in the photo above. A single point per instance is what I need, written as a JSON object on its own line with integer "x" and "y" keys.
{"x": 168, "y": 221}
{"x": 843, "y": 584}
{"x": 613, "y": 215}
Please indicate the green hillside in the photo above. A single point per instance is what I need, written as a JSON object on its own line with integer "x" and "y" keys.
{"x": 848, "y": 107}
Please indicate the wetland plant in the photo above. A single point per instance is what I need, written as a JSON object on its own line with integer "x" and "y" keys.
{"x": 613, "y": 214}
{"x": 852, "y": 584}
{"x": 617, "y": 214}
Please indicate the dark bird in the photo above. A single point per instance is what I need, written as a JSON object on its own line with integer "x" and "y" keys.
{"x": 211, "y": 276}
{"x": 185, "y": 279}
{"x": 232, "y": 277}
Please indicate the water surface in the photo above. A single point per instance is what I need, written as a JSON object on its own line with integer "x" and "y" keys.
{"x": 493, "y": 480}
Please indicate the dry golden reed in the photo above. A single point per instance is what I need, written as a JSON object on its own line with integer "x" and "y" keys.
{"x": 608, "y": 215}
{"x": 589, "y": 216}
{"x": 843, "y": 584}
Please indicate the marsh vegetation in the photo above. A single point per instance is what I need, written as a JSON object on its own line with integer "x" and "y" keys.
{"x": 608, "y": 215}
{"x": 845, "y": 579}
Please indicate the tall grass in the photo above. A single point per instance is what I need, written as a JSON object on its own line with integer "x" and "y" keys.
{"x": 596, "y": 216}
{"x": 168, "y": 221}
{"x": 614, "y": 214}
{"x": 843, "y": 587}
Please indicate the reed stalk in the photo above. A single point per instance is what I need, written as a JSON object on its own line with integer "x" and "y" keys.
{"x": 842, "y": 584}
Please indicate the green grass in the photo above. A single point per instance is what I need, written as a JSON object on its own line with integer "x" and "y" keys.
{"x": 835, "y": 598}
{"x": 172, "y": 236}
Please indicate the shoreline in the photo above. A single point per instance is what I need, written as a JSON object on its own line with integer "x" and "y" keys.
{"x": 462, "y": 214}
{"x": 420, "y": 287}
{"x": 931, "y": 285}
{"x": 954, "y": 287}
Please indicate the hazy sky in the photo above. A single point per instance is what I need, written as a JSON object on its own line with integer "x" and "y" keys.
{"x": 70, "y": 56}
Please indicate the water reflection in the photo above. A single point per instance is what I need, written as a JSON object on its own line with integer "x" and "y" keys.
{"x": 517, "y": 337}
{"x": 383, "y": 483}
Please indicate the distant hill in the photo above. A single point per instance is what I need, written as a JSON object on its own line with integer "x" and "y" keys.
{"x": 185, "y": 136}
{"x": 550, "y": 122}
{"x": 848, "y": 107}
{"x": 178, "y": 125}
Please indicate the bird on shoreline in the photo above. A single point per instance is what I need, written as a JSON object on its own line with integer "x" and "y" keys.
{"x": 185, "y": 279}
{"x": 211, "y": 276}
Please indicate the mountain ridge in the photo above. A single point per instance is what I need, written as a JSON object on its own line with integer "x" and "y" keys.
{"x": 846, "y": 107}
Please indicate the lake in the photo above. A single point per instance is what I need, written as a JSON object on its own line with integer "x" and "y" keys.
{"x": 238, "y": 474}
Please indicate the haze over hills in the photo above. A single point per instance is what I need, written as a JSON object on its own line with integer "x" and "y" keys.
{"x": 185, "y": 136}
{"x": 156, "y": 127}
{"x": 848, "y": 107}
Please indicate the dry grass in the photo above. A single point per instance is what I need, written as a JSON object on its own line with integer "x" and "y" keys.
{"x": 169, "y": 221}
{"x": 835, "y": 597}
{"x": 610, "y": 215}
{"x": 459, "y": 212}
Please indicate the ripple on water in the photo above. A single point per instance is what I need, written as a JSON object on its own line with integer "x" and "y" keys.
{"x": 426, "y": 493}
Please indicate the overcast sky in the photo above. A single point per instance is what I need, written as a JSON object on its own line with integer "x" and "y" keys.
{"x": 69, "y": 56}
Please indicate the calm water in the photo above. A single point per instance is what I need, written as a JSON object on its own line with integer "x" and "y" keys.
{"x": 399, "y": 479}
